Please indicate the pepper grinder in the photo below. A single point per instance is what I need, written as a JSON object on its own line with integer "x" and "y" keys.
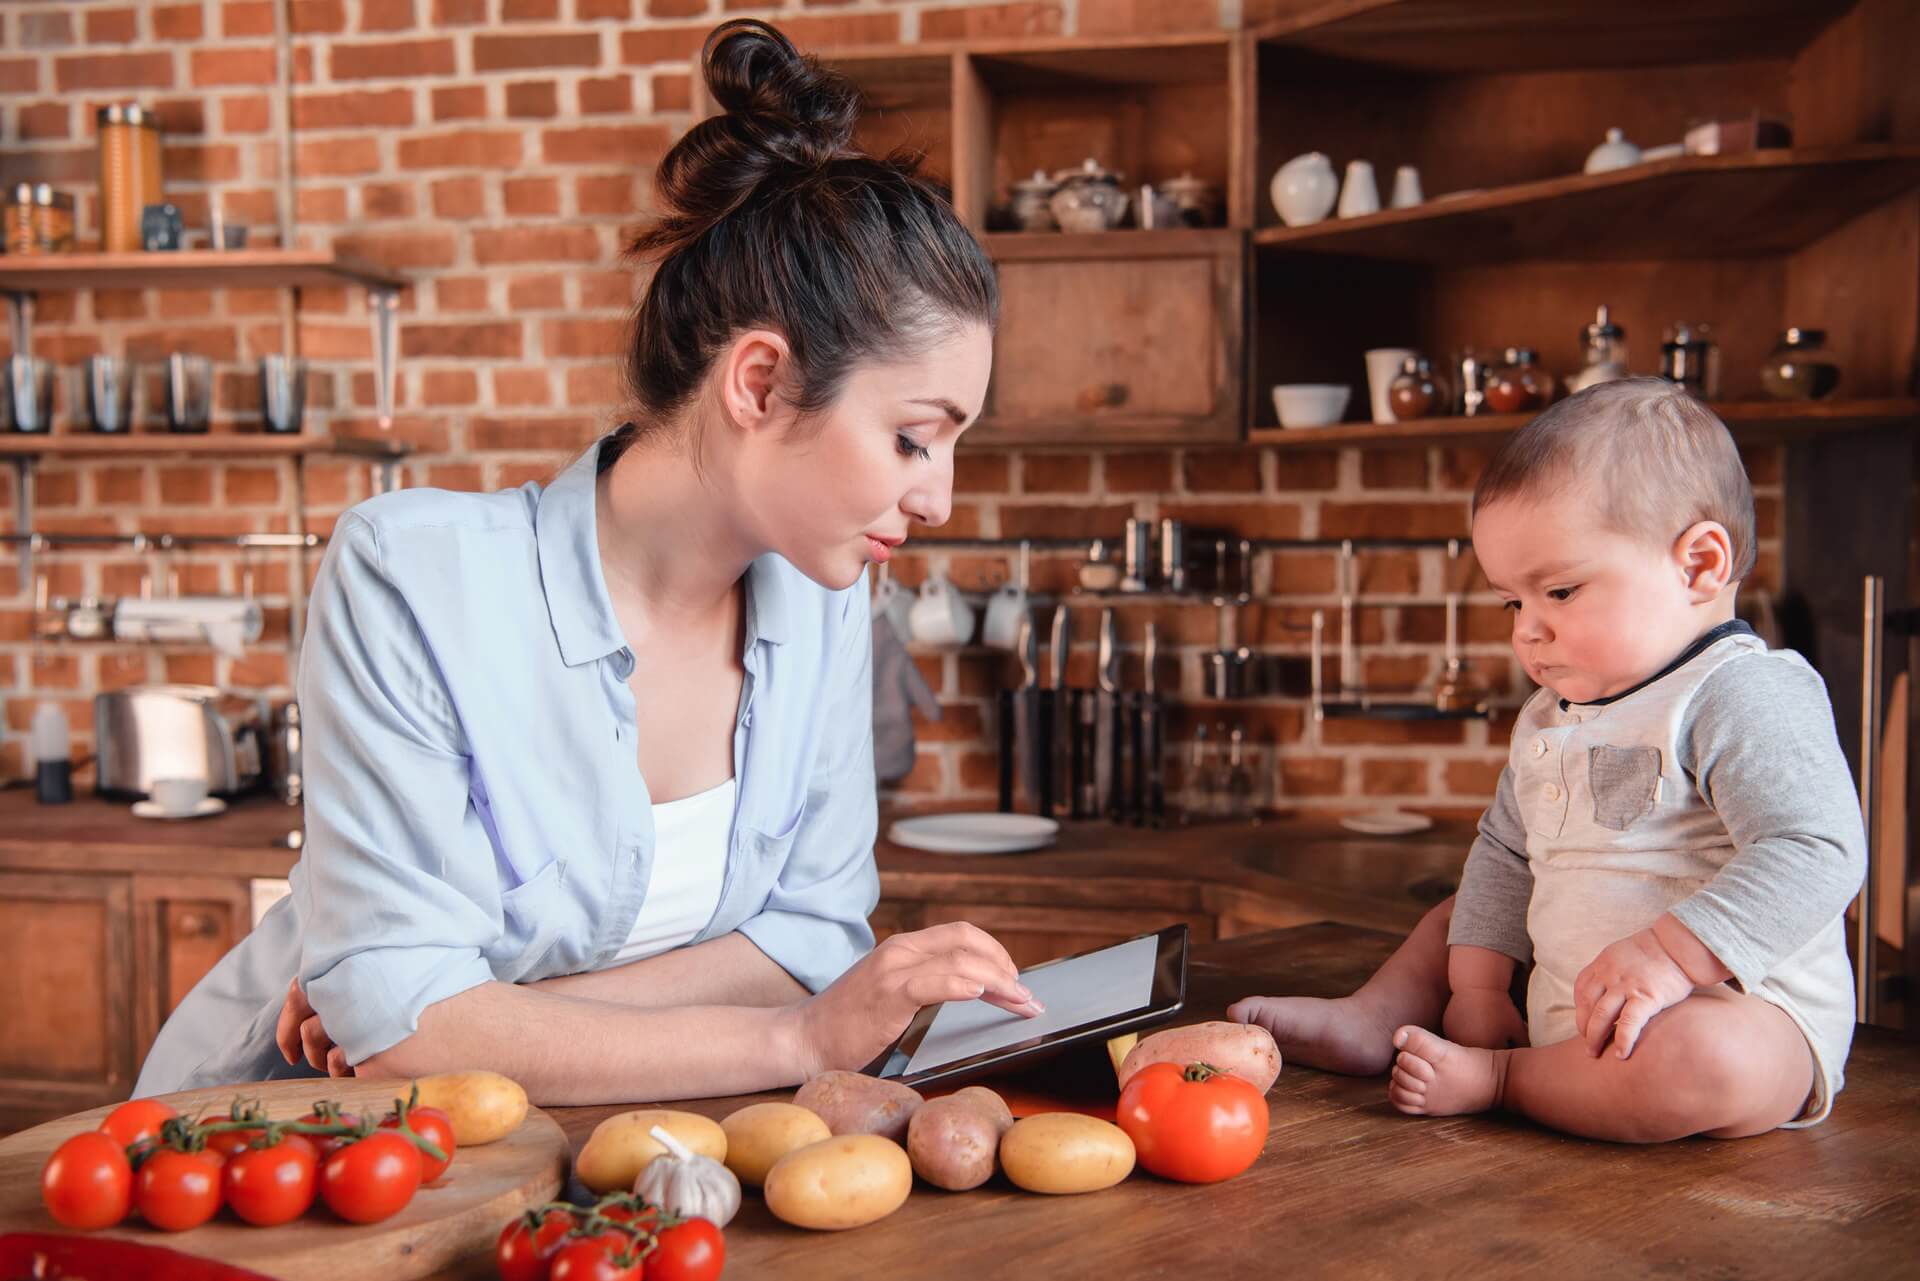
{"x": 53, "y": 767}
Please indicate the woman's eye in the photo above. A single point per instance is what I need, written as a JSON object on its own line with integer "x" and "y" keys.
{"x": 911, "y": 448}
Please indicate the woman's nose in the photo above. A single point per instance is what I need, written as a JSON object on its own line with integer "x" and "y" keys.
{"x": 932, "y": 502}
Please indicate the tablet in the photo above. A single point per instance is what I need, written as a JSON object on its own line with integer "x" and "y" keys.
{"x": 1088, "y": 997}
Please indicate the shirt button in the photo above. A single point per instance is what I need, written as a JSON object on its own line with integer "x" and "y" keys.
{"x": 1553, "y": 791}
{"x": 1539, "y": 747}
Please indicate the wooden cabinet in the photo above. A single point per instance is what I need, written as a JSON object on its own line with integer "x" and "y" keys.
{"x": 182, "y": 926}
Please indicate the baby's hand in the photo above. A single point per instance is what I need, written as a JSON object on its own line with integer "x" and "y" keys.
{"x": 1626, "y": 985}
{"x": 1483, "y": 1017}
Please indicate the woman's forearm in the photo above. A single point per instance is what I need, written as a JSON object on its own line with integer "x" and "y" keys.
{"x": 570, "y": 1050}
{"x": 728, "y": 970}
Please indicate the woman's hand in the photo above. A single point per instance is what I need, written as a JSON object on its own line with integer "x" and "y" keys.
{"x": 300, "y": 1034}
{"x": 867, "y": 1008}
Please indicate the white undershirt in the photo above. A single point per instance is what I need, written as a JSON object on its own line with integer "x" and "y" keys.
{"x": 689, "y": 860}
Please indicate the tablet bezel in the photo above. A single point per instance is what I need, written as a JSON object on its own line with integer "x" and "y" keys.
{"x": 1166, "y": 999}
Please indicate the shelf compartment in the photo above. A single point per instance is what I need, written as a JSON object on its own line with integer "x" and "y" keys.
{"x": 193, "y": 269}
{"x": 1752, "y": 205}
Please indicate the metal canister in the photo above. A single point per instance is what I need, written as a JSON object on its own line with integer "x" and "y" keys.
{"x": 129, "y": 172}
{"x": 39, "y": 220}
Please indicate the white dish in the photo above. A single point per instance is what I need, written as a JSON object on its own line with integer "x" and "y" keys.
{"x": 205, "y": 809}
{"x": 974, "y": 833}
{"x": 1310, "y": 404}
{"x": 1386, "y": 823}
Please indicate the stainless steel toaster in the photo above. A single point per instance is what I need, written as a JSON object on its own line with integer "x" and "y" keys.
{"x": 149, "y": 732}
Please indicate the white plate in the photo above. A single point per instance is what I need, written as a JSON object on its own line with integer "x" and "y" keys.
{"x": 974, "y": 833}
{"x": 209, "y": 806}
{"x": 1386, "y": 823}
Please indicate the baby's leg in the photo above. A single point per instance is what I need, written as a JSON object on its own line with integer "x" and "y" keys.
{"x": 1709, "y": 1065}
{"x": 1354, "y": 1033}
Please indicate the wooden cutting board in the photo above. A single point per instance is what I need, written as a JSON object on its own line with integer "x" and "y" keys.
{"x": 457, "y": 1215}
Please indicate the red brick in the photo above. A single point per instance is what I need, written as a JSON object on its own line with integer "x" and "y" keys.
{"x": 46, "y": 30}
{"x": 466, "y": 477}
{"x": 1393, "y": 778}
{"x": 1222, "y": 471}
{"x": 1460, "y": 467}
{"x": 676, "y": 8}
{"x": 596, "y": 384}
{"x": 1306, "y": 469}
{"x": 1028, "y": 18}
{"x": 528, "y": 197}
{"x": 181, "y": 118}
{"x": 387, "y": 200}
{"x": 595, "y": 10}
{"x": 533, "y": 100}
{"x": 1474, "y": 778}
{"x": 1393, "y": 520}
{"x": 850, "y": 29}
{"x": 612, "y": 95}
{"x": 187, "y": 486}
{"x": 386, "y": 15}
{"x": 1248, "y": 519}
{"x": 495, "y": 340}
{"x": 247, "y": 18}
{"x": 120, "y": 485}
{"x": 257, "y": 671}
{"x": 460, "y": 198}
{"x": 337, "y": 157}
{"x": 582, "y": 336}
{"x": 391, "y": 60}
{"x": 1056, "y": 473}
{"x": 460, "y": 102}
{"x": 178, "y": 22}
{"x": 611, "y": 194}
{"x": 536, "y": 244}
{"x": 57, "y": 489}
{"x": 606, "y": 290}
{"x": 1041, "y": 521}
{"x": 977, "y": 471}
{"x": 19, "y": 75}
{"x": 1343, "y": 732}
{"x": 354, "y": 109}
{"x": 233, "y": 67}
{"x": 557, "y": 433}
{"x": 521, "y": 388}
{"x": 320, "y": 204}
{"x": 318, "y": 17}
{"x": 111, "y": 71}
{"x": 460, "y": 293}
{"x": 447, "y": 13}
{"x": 1302, "y": 573}
{"x": 246, "y": 113}
{"x": 112, "y": 26}
{"x": 520, "y": 51}
{"x": 529, "y": 10}
{"x": 672, "y": 91}
{"x": 255, "y": 486}
{"x": 211, "y": 163}
{"x": 1312, "y": 776}
{"x": 1146, "y": 17}
{"x": 400, "y": 248}
{"x": 1139, "y": 473}
{"x": 44, "y": 120}
{"x": 449, "y": 387}
{"x": 1393, "y": 469}
{"x": 635, "y": 145}
{"x": 661, "y": 44}
{"x": 467, "y": 149}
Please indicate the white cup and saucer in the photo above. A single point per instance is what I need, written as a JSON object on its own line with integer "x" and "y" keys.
{"x": 178, "y": 798}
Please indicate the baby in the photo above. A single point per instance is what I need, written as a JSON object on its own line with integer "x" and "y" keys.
{"x": 1674, "y": 840}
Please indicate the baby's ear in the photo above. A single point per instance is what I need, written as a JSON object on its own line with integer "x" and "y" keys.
{"x": 1704, "y": 554}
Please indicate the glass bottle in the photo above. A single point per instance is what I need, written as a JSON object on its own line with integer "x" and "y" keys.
{"x": 1414, "y": 393}
{"x": 1605, "y": 345}
{"x": 1800, "y": 366}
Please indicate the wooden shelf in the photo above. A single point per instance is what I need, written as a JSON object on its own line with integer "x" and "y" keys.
{"x": 1759, "y": 421}
{"x": 1121, "y": 242}
{"x": 193, "y": 269}
{"x": 1761, "y": 203}
{"x": 240, "y": 445}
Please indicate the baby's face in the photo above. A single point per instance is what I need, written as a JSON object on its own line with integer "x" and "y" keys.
{"x": 1595, "y": 611}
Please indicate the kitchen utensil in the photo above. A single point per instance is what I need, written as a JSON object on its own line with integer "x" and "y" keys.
{"x": 178, "y": 795}
{"x": 226, "y": 623}
{"x": 1110, "y": 770}
{"x": 1173, "y": 554}
{"x": 1310, "y": 404}
{"x": 1152, "y": 731}
{"x": 941, "y": 616}
{"x": 1687, "y": 358}
{"x": 974, "y": 833}
{"x": 1239, "y": 789}
{"x": 1030, "y": 196}
{"x": 1406, "y": 187}
{"x": 1098, "y": 573}
{"x": 39, "y": 220}
{"x": 1088, "y": 198}
{"x": 129, "y": 147}
{"x": 1193, "y": 198}
{"x": 52, "y": 745}
{"x": 148, "y": 732}
{"x": 283, "y": 393}
{"x": 895, "y": 603}
{"x": 1086, "y": 728}
{"x": 1009, "y": 705}
{"x": 283, "y": 754}
{"x": 1001, "y": 625}
{"x": 1136, "y": 574}
{"x": 1615, "y": 153}
{"x": 1229, "y": 664}
{"x": 30, "y": 394}
{"x": 1751, "y": 132}
{"x": 189, "y": 392}
{"x": 1605, "y": 348}
{"x": 1027, "y": 709}
{"x": 1414, "y": 393}
{"x": 1383, "y": 366}
{"x": 109, "y": 388}
{"x": 1474, "y": 370}
{"x": 1303, "y": 189}
{"x": 1359, "y": 194}
{"x": 1053, "y": 714}
{"x": 1800, "y": 367}
{"x": 1154, "y": 210}
{"x": 1386, "y": 822}
{"x": 444, "y": 1228}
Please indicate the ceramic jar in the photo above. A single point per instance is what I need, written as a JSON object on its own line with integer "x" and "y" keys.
{"x": 1030, "y": 196}
{"x": 1413, "y": 392}
{"x": 1088, "y": 198}
{"x": 1615, "y": 153}
{"x": 1192, "y": 197}
{"x": 1800, "y": 367}
{"x": 1304, "y": 189}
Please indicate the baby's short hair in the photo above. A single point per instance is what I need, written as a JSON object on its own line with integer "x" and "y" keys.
{"x": 1661, "y": 460}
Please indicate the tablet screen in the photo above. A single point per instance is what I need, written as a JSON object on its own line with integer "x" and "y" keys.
{"x": 1075, "y": 991}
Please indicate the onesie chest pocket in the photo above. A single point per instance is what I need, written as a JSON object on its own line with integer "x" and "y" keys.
{"x": 1625, "y": 782}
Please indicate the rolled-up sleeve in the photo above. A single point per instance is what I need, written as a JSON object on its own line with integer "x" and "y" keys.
{"x": 814, "y": 923}
{"x": 396, "y": 890}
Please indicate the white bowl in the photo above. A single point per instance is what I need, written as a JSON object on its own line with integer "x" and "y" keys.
{"x": 1310, "y": 404}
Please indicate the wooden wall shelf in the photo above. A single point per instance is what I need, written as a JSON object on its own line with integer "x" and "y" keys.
{"x": 1765, "y": 202}
{"x": 1122, "y": 242}
{"x": 235, "y": 445}
{"x": 194, "y": 269}
{"x": 1753, "y": 422}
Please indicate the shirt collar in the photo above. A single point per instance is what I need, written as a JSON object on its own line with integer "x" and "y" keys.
{"x": 1732, "y": 627}
{"x": 567, "y": 538}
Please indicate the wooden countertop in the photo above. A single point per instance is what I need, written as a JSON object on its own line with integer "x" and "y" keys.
{"x": 1348, "y": 1187}
{"x": 96, "y": 835}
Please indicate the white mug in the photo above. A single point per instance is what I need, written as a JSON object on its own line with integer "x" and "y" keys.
{"x": 894, "y": 603}
{"x": 940, "y": 616}
{"x": 1383, "y": 366}
{"x": 178, "y": 795}
{"x": 1004, "y": 610}
{"x": 1358, "y": 194}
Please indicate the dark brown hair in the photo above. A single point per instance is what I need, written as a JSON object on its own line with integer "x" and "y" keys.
{"x": 1660, "y": 459}
{"x": 773, "y": 219}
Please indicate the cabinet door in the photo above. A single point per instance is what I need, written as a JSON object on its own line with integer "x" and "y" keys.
{"x": 183, "y": 925}
{"x": 1035, "y": 934}
{"x": 1127, "y": 336}
{"x": 66, "y": 987}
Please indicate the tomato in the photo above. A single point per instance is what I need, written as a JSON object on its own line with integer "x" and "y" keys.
{"x": 1197, "y": 1125}
{"x": 87, "y": 1182}
{"x": 266, "y": 1186}
{"x": 691, "y": 1251}
{"x": 524, "y": 1252}
{"x": 136, "y": 1120}
{"x": 327, "y": 1144}
{"x": 629, "y": 1209}
{"x": 229, "y": 1143}
{"x": 175, "y": 1191}
{"x": 436, "y": 1127}
{"x": 370, "y": 1179}
{"x": 611, "y": 1256}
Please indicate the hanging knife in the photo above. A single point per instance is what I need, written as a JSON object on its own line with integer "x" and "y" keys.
{"x": 1152, "y": 716}
{"x": 1052, "y": 712}
{"x": 1109, "y": 746}
{"x": 1027, "y": 645}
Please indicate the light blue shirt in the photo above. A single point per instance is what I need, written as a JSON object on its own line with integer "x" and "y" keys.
{"x": 475, "y": 809}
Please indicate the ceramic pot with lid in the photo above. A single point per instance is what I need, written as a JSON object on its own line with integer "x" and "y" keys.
{"x": 1800, "y": 367}
{"x": 1088, "y": 198}
{"x": 1192, "y": 197}
{"x": 1030, "y": 196}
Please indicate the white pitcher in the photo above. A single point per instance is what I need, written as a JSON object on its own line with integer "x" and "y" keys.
{"x": 1304, "y": 189}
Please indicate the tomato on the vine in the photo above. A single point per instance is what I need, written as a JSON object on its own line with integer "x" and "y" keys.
{"x": 327, "y": 1144}
{"x": 525, "y": 1251}
{"x": 266, "y": 1186}
{"x": 436, "y": 1127}
{"x": 371, "y": 1179}
{"x": 135, "y": 1120}
{"x": 1195, "y": 1124}
{"x": 690, "y": 1251}
{"x": 176, "y": 1190}
{"x": 87, "y": 1183}
{"x": 610, "y": 1256}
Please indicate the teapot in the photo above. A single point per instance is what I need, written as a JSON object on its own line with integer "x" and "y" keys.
{"x": 1088, "y": 198}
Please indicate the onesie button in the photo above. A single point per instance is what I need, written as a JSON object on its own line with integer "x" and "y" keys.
{"x": 1539, "y": 747}
{"x": 1553, "y": 791}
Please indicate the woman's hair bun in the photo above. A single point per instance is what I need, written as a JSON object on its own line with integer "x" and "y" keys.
{"x": 785, "y": 102}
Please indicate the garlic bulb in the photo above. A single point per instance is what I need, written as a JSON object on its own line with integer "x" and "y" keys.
{"x": 688, "y": 1184}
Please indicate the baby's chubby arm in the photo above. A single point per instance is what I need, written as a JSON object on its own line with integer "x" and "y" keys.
{"x": 1488, "y": 934}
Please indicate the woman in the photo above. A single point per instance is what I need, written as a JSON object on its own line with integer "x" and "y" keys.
{"x": 591, "y": 797}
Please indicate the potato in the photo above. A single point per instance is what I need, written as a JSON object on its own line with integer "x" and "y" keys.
{"x": 761, "y": 1133}
{"x": 853, "y": 1103}
{"x": 483, "y": 1106}
{"x": 953, "y": 1141}
{"x": 1064, "y": 1152}
{"x": 1245, "y": 1050}
{"x": 842, "y": 1182}
{"x": 620, "y": 1146}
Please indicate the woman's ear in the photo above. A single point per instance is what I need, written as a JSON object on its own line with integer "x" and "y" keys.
{"x": 751, "y": 374}
{"x": 1704, "y": 556}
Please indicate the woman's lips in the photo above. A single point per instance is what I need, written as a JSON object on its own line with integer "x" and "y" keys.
{"x": 878, "y": 551}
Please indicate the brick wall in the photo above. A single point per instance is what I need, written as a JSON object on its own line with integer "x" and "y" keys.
{"x": 496, "y": 150}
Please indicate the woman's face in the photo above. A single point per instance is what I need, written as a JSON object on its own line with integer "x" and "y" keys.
{"x": 842, "y": 490}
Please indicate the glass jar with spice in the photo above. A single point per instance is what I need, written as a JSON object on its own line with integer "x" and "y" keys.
{"x": 1414, "y": 392}
{"x": 39, "y": 220}
{"x": 129, "y": 173}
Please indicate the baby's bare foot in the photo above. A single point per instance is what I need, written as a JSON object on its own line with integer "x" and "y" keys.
{"x": 1345, "y": 1035}
{"x": 1434, "y": 1077}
